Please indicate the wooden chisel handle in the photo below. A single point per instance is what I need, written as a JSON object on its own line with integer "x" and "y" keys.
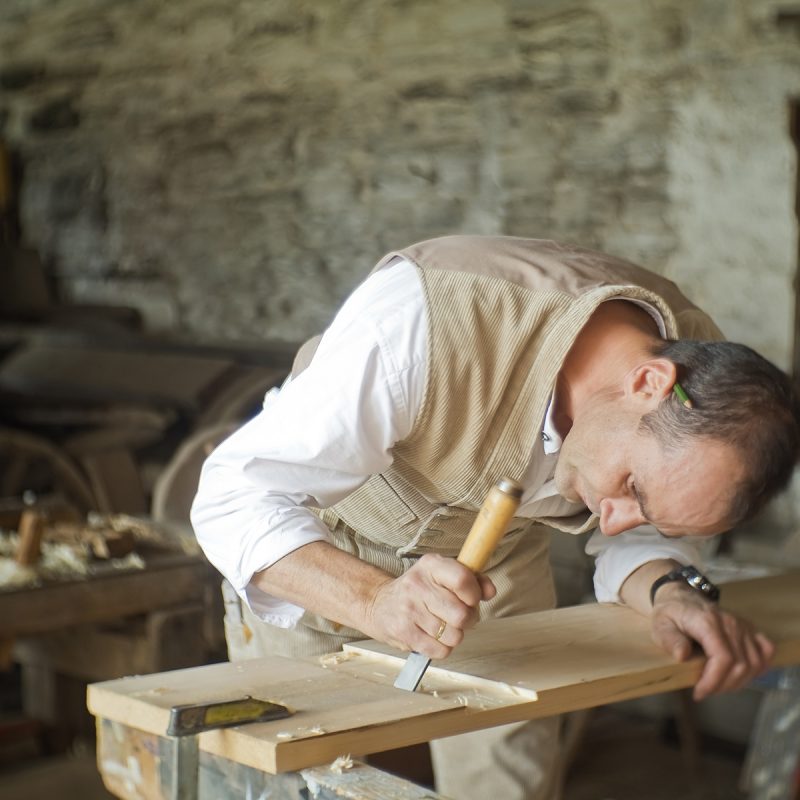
{"x": 496, "y": 512}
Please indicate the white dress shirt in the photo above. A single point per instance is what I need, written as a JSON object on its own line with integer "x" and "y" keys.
{"x": 320, "y": 436}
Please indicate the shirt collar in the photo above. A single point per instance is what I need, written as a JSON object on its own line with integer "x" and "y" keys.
{"x": 551, "y": 438}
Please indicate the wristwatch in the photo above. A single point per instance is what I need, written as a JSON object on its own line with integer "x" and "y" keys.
{"x": 692, "y": 576}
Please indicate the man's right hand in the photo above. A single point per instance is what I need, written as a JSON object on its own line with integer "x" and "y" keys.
{"x": 405, "y": 612}
{"x": 408, "y": 612}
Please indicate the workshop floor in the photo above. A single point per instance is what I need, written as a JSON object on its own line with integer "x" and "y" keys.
{"x": 621, "y": 758}
{"x": 632, "y": 758}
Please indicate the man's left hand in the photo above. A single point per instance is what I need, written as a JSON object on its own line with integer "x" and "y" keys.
{"x": 736, "y": 653}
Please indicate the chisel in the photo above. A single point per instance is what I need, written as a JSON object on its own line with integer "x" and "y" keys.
{"x": 489, "y": 527}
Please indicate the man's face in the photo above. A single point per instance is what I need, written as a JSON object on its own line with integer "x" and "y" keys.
{"x": 626, "y": 477}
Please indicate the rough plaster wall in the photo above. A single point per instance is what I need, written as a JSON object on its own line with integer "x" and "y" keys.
{"x": 732, "y": 176}
{"x": 233, "y": 167}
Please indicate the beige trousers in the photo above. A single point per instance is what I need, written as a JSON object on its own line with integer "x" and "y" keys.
{"x": 509, "y": 762}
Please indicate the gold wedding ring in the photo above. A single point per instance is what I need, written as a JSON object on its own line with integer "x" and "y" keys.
{"x": 440, "y": 632}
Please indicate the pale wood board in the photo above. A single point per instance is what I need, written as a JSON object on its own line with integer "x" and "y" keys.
{"x": 505, "y": 671}
{"x": 604, "y": 651}
{"x": 324, "y": 701}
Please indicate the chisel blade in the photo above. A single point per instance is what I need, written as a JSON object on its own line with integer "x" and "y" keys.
{"x": 412, "y": 672}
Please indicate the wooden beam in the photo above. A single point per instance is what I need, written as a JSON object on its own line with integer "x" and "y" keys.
{"x": 507, "y": 670}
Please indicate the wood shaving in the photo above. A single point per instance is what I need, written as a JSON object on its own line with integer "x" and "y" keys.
{"x": 341, "y": 764}
{"x": 284, "y": 735}
{"x": 332, "y": 659}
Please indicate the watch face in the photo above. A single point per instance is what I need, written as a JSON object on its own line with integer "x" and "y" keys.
{"x": 692, "y": 577}
{"x": 699, "y": 581}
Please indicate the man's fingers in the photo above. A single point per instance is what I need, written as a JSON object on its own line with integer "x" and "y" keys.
{"x": 456, "y": 578}
{"x": 767, "y": 649}
{"x": 719, "y": 660}
{"x": 735, "y": 659}
{"x": 446, "y": 635}
{"x": 428, "y": 608}
{"x": 488, "y": 589}
{"x": 667, "y": 634}
{"x": 735, "y": 652}
{"x": 716, "y": 667}
{"x": 755, "y": 658}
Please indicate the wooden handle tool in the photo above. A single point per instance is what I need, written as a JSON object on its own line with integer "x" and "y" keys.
{"x": 31, "y": 529}
{"x": 489, "y": 527}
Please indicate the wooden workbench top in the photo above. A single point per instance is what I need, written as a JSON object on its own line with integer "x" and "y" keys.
{"x": 506, "y": 670}
{"x": 166, "y": 580}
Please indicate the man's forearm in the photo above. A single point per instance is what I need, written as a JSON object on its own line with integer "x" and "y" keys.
{"x": 426, "y": 609}
{"x": 635, "y": 592}
{"x": 327, "y": 581}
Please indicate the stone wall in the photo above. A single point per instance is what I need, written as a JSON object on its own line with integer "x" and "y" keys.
{"x": 233, "y": 167}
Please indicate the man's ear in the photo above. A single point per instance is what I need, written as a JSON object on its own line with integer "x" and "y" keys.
{"x": 651, "y": 381}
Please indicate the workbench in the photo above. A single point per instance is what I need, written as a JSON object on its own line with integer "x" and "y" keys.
{"x": 103, "y": 625}
{"x": 105, "y": 595}
{"x": 505, "y": 671}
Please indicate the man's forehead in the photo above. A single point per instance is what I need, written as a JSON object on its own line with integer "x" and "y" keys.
{"x": 691, "y": 489}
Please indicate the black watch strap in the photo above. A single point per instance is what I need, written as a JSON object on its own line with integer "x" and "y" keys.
{"x": 689, "y": 575}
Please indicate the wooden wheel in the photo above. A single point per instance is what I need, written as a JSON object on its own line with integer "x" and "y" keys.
{"x": 29, "y": 463}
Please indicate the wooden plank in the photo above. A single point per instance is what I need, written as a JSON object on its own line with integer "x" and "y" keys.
{"x": 595, "y": 654}
{"x": 323, "y": 701}
{"x": 166, "y": 581}
{"x": 507, "y": 670}
{"x": 356, "y": 709}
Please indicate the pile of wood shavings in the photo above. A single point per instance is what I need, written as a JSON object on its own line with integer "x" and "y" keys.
{"x": 58, "y": 561}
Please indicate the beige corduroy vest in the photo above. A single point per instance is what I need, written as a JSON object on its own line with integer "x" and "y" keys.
{"x": 502, "y": 314}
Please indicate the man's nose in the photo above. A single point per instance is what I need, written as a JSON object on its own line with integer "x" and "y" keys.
{"x": 619, "y": 515}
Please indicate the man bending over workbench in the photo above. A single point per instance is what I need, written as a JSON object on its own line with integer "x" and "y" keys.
{"x": 337, "y": 512}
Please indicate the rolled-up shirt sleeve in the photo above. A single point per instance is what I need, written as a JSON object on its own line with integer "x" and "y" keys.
{"x": 616, "y": 557}
{"x": 317, "y": 439}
